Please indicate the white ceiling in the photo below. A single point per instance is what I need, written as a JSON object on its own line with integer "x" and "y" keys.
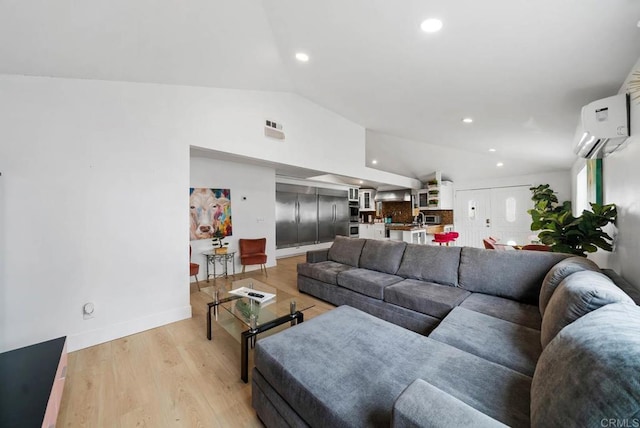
{"x": 520, "y": 68}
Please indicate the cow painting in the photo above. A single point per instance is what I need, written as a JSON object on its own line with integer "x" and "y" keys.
{"x": 210, "y": 212}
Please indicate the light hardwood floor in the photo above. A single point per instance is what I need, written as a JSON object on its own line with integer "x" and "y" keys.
{"x": 170, "y": 376}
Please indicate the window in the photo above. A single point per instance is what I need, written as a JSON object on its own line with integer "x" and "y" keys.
{"x": 582, "y": 198}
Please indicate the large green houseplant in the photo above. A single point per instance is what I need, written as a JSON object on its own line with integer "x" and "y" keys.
{"x": 563, "y": 232}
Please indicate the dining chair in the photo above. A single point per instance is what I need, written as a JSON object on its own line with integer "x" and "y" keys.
{"x": 536, "y": 247}
{"x": 194, "y": 268}
{"x": 253, "y": 252}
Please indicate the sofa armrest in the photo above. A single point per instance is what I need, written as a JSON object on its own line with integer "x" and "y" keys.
{"x": 423, "y": 405}
{"x": 316, "y": 256}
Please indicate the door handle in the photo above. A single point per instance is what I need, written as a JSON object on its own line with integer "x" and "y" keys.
{"x": 297, "y": 211}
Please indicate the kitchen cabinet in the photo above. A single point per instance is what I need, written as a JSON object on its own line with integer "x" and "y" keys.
{"x": 372, "y": 231}
{"x": 379, "y": 230}
{"x": 353, "y": 194}
{"x": 366, "y": 200}
{"x": 365, "y": 231}
{"x": 436, "y": 196}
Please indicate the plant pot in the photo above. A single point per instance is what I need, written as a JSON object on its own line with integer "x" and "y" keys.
{"x": 220, "y": 250}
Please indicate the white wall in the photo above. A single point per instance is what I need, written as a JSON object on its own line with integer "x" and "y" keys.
{"x": 559, "y": 181}
{"x": 94, "y": 211}
{"x": 95, "y": 177}
{"x": 253, "y": 205}
{"x": 621, "y": 181}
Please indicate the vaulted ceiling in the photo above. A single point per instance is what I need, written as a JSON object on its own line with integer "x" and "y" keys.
{"x": 520, "y": 68}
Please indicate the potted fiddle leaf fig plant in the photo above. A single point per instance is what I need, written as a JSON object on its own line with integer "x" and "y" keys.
{"x": 563, "y": 232}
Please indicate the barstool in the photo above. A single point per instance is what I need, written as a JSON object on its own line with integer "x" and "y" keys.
{"x": 441, "y": 238}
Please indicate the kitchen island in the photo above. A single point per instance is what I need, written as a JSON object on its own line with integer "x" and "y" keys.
{"x": 413, "y": 234}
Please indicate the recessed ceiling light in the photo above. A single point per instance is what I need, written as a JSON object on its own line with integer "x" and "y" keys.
{"x": 302, "y": 57}
{"x": 467, "y": 120}
{"x": 499, "y": 164}
{"x": 431, "y": 25}
{"x": 374, "y": 161}
{"x": 492, "y": 150}
{"x": 361, "y": 182}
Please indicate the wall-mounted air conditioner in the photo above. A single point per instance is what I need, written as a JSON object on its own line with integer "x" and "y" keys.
{"x": 603, "y": 127}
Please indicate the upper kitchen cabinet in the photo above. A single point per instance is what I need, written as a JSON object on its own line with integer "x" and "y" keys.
{"x": 437, "y": 196}
{"x": 353, "y": 194}
{"x": 366, "y": 200}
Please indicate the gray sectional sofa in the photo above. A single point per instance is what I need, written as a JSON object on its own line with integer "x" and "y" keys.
{"x": 446, "y": 336}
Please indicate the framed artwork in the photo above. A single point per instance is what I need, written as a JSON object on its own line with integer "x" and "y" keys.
{"x": 210, "y": 213}
{"x": 594, "y": 181}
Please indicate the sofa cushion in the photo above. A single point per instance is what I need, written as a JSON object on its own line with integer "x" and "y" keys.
{"x": 589, "y": 373}
{"x": 425, "y": 297}
{"x": 368, "y": 282}
{"x": 577, "y": 295}
{"x": 422, "y": 402}
{"x": 559, "y": 272}
{"x": 515, "y": 275}
{"x": 383, "y": 256}
{"x": 506, "y": 309}
{"x": 346, "y": 250}
{"x": 346, "y": 368}
{"x": 323, "y": 271}
{"x": 503, "y": 342}
{"x": 431, "y": 263}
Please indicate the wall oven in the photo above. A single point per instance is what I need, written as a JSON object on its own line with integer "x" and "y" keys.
{"x": 354, "y": 213}
{"x": 354, "y": 230}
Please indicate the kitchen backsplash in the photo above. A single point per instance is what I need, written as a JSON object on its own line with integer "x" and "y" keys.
{"x": 400, "y": 212}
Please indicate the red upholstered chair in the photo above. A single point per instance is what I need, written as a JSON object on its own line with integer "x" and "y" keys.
{"x": 194, "y": 268}
{"x": 253, "y": 252}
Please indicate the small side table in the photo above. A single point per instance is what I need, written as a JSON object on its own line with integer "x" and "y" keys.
{"x": 223, "y": 259}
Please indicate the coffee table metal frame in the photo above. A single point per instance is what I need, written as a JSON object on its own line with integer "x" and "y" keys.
{"x": 250, "y": 334}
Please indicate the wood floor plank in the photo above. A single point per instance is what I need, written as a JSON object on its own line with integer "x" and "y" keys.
{"x": 170, "y": 376}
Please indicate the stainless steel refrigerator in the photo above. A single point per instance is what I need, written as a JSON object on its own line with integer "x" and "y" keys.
{"x": 296, "y": 215}
{"x": 333, "y": 214}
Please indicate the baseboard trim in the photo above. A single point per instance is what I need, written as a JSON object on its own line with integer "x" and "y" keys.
{"x": 116, "y": 331}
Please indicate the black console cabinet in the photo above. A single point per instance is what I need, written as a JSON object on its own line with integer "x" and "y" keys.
{"x": 31, "y": 384}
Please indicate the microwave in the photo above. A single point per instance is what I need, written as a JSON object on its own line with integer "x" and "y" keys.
{"x": 432, "y": 219}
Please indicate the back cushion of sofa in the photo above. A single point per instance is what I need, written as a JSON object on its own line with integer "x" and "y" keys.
{"x": 346, "y": 250}
{"x": 382, "y": 256}
{"x": 558, "y": 273}
{"x": 431, "y": 263}
{"x": 577, "y": 295}
{"x": 589, "y": 373}
{"x": 515, "y": 275}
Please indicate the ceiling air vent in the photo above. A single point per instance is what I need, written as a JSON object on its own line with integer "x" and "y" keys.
{"x": 273, "y": 130}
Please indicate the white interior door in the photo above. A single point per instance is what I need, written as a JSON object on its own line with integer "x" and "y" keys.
{"x": 498, "y": 212}
{"x": 471, "y": 217}
{"x": 511, "y": 223}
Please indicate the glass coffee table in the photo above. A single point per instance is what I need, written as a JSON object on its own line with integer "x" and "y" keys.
{"x": 258, "y": 317}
